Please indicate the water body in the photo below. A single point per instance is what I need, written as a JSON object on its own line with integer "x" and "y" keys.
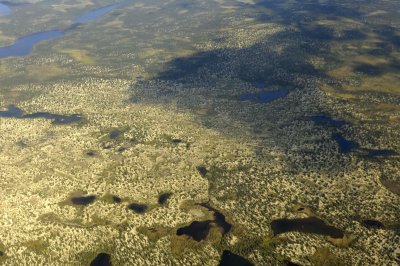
{"x": 176, "y": 141}
{"x": 83, "y": 200}
{"x": 137, "y": 207}
{"x": 15, "y": 112}
{"x": 259, "y": 85}
{"x": 12, "y": 112}
{"x": 372, "y": 224}
{"x": 95, "y": 14}
{"x": 196, "y": 230}
{"x": 103, "y": 259}
{"x": 219, "y": 218}
{"x": 115, "y": 134}
{"x": 4, "y": 10}
{"x": 379, "y": 153}
{"x": 305, "y": 225}
{"x": 162, "y": 199}
{"x": 91, "y": 153}
{"x": 116, "y": 199}
{"x": 327, "y": 120}
{"x": 345, "y": 146}
{"x": 202, "y": 170}
{"x": 230, "y": 259}
{"x": 57, "y": 119}
{"x": 289, "y": 263}
{"x": 24, "y": 45}
{"x": 221, "y": 222}
{"x": 264, "y": 97}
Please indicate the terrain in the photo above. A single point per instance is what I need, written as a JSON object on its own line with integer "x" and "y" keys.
{"x": 199, "y": 132}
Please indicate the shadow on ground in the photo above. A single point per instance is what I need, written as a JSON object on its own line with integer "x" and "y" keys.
{"x": 214, "y": 80}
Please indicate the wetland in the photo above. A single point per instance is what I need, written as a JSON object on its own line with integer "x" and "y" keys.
{"x": 190, "y": 132}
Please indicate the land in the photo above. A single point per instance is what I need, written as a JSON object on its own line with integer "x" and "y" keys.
{"x": 170, "y": 84}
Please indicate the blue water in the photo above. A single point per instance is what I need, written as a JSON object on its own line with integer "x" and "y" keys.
{"x": 324, "y": 119}
{"x": 96, "y": 13}
{"x": 374, "y": 153}
{"x": 345, "y": 146}
{"x": 15, "y": 112}
{"x": 259, "y": 85}
{"x": 56, "y": 119}
{"x": 24, "y": 45}
{"x": 4, "y": 10}
{"x": 12, "y": 111}
{"x": 264, "y": 97}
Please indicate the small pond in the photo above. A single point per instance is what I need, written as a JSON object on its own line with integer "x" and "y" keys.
{"x": 327, "y": 120}
{"x": 264, "y": 97}
{"x": 102, "y": 259}
{"x": 83, "y": 200}
{"x": 380, "y": 153}
{"x": 162, "y": 199}
{"x": 196, "y": 230}
{"x": 345, "y": 146}
{"x": 15, "y": 112}
{"x": 230, "y": 259}
{"x": 219, "y": 218}
{"x": 137, "y": 207}
{"x": 305, "y": 225}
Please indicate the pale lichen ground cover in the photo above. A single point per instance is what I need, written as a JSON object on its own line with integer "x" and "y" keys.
{"x": 262, "y": 160}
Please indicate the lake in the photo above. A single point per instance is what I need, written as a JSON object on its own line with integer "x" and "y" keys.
{"x": 265, "y": 96}
{"x": 24, "y": 45}
{"x": 57, "y": 119}
{"x": 4, "y": 10}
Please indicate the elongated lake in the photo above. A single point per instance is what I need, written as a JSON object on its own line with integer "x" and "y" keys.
{"x": 4, "y": 10}
{"x": 24, "y": 45}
